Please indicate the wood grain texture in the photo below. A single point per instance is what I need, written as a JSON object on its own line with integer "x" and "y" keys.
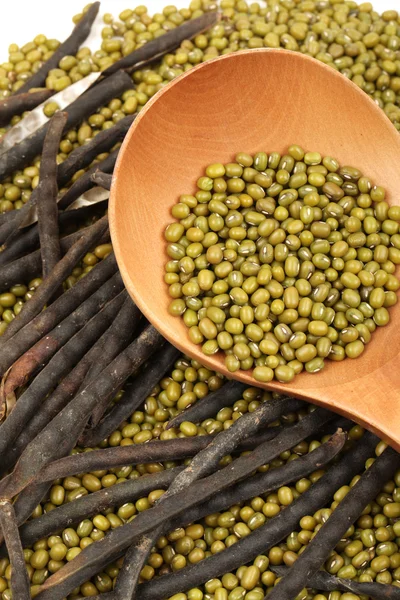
{"x": 252, "y": 101}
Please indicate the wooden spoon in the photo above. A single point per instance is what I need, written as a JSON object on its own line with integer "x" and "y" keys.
{"x": 255, "y": 100}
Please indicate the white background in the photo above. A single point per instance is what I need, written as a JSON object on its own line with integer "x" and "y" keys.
{"x": 22, "y": 20}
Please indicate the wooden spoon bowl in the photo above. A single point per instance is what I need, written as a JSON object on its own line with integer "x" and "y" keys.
{"x": 255, "y": 100}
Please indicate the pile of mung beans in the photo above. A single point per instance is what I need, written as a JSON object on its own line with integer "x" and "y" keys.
{"x": 364, "y": 46}
{"x": 282, "y": 261}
